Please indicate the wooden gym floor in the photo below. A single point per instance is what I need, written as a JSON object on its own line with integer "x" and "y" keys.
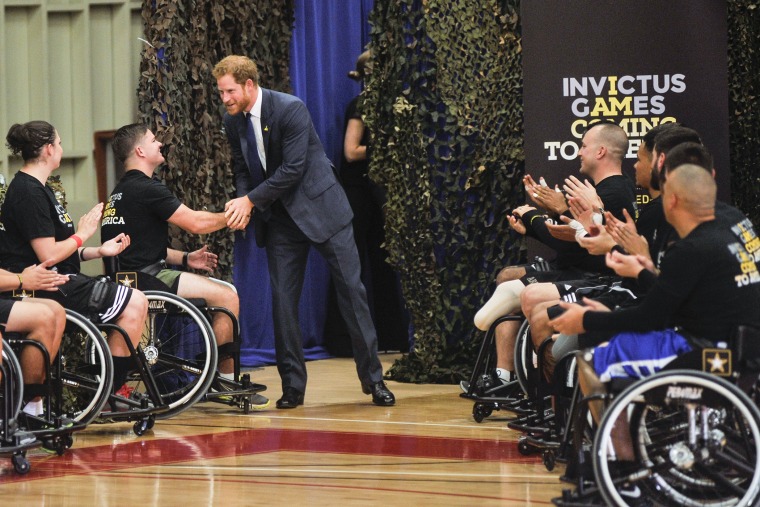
{"x": 338, "y": 449}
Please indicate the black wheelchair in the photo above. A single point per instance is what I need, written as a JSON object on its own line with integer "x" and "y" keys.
{"x": 695, "y": 431}
{"x": 14, "y": 442}
{"x": 181, "y": 350}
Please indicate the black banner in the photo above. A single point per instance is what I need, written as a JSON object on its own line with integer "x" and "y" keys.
{"x": 637, "y": 63}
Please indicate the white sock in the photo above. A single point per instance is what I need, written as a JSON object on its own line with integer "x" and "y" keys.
{"x": 33, "y": 408}
{"x": 227, "y": 376}
{"x": 504, "y": 375}
{"x": 505, "y": 300}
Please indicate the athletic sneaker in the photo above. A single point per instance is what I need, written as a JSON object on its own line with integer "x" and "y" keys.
{"x": 633, "y": 496}
{"x": 259, "y": 402}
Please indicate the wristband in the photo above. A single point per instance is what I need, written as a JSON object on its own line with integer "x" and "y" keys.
{"x": 20, "y": 282}
{"x": 184, "y": 259}
{"x": 77, "y": 240}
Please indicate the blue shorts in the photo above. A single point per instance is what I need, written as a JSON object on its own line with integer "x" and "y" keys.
{"x": 638, "y": 355}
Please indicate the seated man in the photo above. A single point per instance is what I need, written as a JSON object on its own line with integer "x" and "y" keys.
{"x": 649, "y": 235}
{"x": 143, "y": 208}
{"x": 708, "y": 285}
{"x": 603, "y": 147}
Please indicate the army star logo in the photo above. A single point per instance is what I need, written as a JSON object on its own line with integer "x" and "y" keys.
{"x": 124, "y": 279}
{"x": 717, "y": 361}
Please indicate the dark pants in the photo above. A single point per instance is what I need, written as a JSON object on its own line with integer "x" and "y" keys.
{"x": 287, "y": 252}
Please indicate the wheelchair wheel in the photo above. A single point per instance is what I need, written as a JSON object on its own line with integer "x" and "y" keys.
{"x": 11, "y": 369}
{"x": 525, "y": 358}
{"x": 84, "y": 381}
{"x": 180, "y": 348}
{"x": 696, "y": 439}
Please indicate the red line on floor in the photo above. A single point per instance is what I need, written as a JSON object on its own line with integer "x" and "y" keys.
{"x": 105, "y": 458}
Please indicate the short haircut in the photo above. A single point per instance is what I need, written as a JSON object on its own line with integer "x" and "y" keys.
{"x": 694, "y": 187}
{"x": 125, "y": 140}
{"x": 649, "y": 137}
{"x": 612, "y": 137}
{"x": 672, "y": 137}
{"x": 242, "y": 69}
{"x": 688, "y": 153}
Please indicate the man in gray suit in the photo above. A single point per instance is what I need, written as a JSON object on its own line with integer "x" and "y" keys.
{"x": 284, "y": 179}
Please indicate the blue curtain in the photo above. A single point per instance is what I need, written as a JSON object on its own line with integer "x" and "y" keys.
{"x": 328, "y": 36}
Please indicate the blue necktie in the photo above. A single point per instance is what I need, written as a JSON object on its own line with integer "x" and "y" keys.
{"x": 254, "y": 162}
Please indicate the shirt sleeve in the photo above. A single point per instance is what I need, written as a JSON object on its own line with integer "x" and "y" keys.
{"x": 682, "y": 269}
{"x": 160, "y": 200}
{"x": 36, "y": 222}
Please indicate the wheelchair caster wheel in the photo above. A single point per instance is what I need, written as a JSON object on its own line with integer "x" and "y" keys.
{"x": 56, "y": 445}
{"x": 68, "y": 441}
{"x": 140, "y": 427}
{"x": 549, "y": 460}
{"x": 247, "y": 405}
{"x": 480, "y": 412}
{"x": 524, "y": 448}
{"x": 151, "y": 422}
{"x": 20, "y": 464}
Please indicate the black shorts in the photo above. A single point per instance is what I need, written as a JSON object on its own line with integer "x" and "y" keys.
{"x": 591, "y": 287}
{"x": 5, "y": 309}
{"x": 551, "y": 276}
{"x": 95, "y": 298}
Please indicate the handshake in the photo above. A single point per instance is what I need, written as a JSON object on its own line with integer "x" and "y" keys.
{"x": 238, "y": 213}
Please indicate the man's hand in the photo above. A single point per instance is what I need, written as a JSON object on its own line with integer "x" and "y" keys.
{"x": 39, "y": 277}
{"x": 238, "y": 212}
{"x": 626, "y": 235}
{"x": 561, "y": 232}
{"x": 515, "y": 218}
{"x": 629, "y": 265}
{"x": 583, "y": 190}
{"x": 598, "y": 244}
{"x": 203, "y": 259}
{"x": 571, "y": 320}
{"x": 114, "y": 246}
{"x": 517, "y": 224}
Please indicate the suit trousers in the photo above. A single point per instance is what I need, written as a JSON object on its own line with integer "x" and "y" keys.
{"x": 287, "y": 250}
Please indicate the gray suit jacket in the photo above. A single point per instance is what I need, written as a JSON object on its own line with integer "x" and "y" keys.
{"x": 299, "y": 173}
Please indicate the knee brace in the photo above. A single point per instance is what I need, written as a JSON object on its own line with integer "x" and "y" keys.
{"x": 505, "y": 300}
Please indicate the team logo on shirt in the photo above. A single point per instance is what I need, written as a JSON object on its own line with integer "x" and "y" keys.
{"x": 63, "y": 215}
{"x": 109, "y": 214}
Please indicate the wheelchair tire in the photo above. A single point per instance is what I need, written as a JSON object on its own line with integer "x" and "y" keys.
{"x": 525, "y": 358}
{"x": 12, "y": 368}
{"x": 85, "y": 379}
{"x": 181, "y": 350}
{"x": 715, "y": 463}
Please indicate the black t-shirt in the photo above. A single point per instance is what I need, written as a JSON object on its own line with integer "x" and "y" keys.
{"x": 31, "y": 211}
{"x": 140, "y": 207}
{"x": 617, "y": 193}
{"x": 708, "y": 285}
{"x": 354, "y": 173}
{"x": 657, "y": 231}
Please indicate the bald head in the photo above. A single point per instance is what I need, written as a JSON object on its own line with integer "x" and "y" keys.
{"x": 694, "y": 188}
{"x": 613, "y": 138}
